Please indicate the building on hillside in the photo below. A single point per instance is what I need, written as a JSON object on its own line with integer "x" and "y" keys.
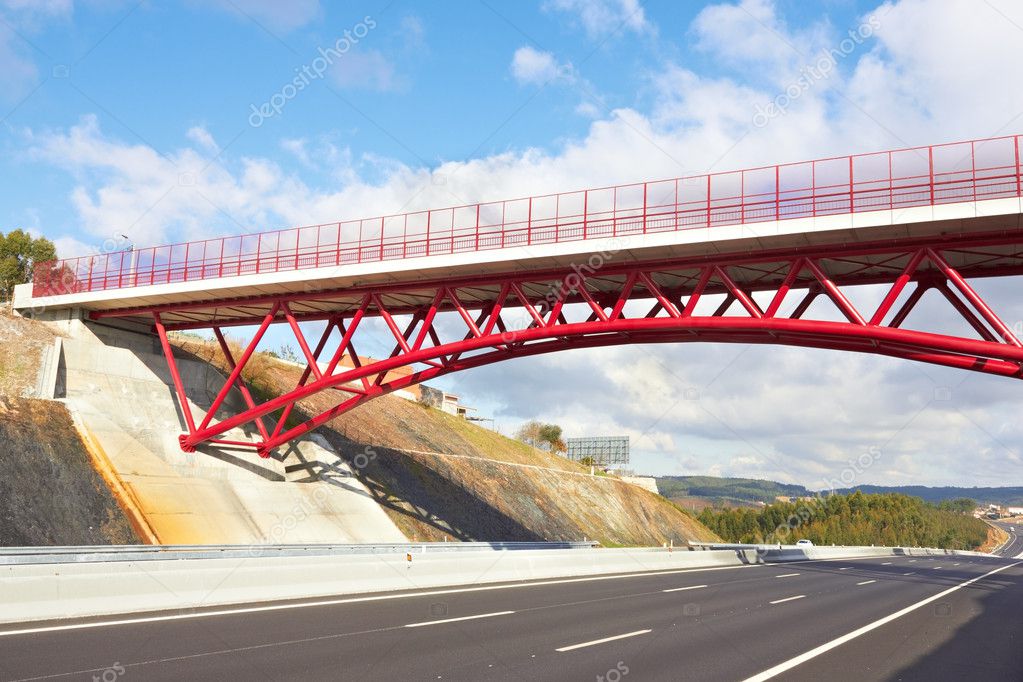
{"x": 606, "y": 452}
{"x": 443, "y": 401}
{"x": 1014, "y": 511}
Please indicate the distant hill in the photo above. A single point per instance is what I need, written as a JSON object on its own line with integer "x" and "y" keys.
{"x": 737, "y": 491}
{"x": 1010, "y": 496}
{"x": 726, "y": 490}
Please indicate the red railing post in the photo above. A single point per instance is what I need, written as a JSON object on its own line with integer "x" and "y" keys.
{"x": 891, "y": 184}
{"x": 477, "y": 227}
{"x": 1019, "y": 178}
{"x": 529, "y": 222}
{"x": 973, "y": 169}
{"x": 429, "y": 214}
{"x": 381, "y": 237}
{"x": 742, "y": 197}
{"x": 813, "y": 188}
{"x": 614, "y": 212}
{"x": 852, "y": 205}
{"x": 930, "y": 171}
{"x": 676, "y": 205}
{"x": 644, "y": 207}
{"x": 708, "y": 199}
{"x": 777, "y": 193}
{"x": 585, "y": 211}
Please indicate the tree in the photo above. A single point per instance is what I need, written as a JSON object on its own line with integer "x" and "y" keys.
{"x": 551, "y": 435}
{"x": 539, "y": 435}
{"x": 529, "y": 433}
{"x": 19, "y": 254}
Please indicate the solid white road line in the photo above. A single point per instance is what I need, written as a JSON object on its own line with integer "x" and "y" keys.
{"x": 781, "y": 601}
{"x": 910, "y": 573}
{"x": 455, "y": 620}
{"x": 601, "y": 641}
{"x": 887, "y": 563}
{"x": 786, "y": 575}
{"x": 845, "y": 568}
{"x": 682, "y": 589}
{"x": 824, "y": 648}
{"x": 353, "y": 600}
{"x": 867, "y": 582}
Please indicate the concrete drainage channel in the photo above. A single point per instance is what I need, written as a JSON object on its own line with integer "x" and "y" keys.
{"x": 38, "y": 584}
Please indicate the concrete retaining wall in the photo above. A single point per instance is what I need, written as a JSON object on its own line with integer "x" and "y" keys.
{"x": 48, "y": 591}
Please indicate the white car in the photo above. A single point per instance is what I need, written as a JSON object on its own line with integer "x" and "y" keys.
{"x": 804, "y": 543}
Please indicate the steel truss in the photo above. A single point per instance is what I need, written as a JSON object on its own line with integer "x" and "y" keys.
{"x": 524, "y": 314}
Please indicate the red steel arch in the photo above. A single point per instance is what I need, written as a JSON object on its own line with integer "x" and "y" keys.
{"x": 606, "y": 303}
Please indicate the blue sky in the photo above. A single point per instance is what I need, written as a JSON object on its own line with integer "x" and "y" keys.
{"x": 138, "y": 118}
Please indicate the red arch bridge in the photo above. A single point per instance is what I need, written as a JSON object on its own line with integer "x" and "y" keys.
{"x": 727, "y": 257}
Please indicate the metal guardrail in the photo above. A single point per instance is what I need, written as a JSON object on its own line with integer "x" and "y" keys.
{"x": 109, "y": 553}
{"x": 920, "y": 176}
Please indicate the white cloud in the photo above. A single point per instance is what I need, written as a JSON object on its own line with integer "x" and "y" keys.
{"x": 275, "y": 16}
{"x": 17, "y": 72}
{"x": 601, "y": 17}
{"x": 785, "y": 413}
{"x": 203, "y": 138}
{"x": 366, "y": 70}
{"x": 533, "y": 66}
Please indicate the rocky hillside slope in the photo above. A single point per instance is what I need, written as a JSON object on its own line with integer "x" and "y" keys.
{"x": 441, "y": 477}
{"x": 50, "y": 491}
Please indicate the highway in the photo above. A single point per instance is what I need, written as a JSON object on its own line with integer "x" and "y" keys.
{"x": 925, "y": 618}
{"x": 1013, "y": 548}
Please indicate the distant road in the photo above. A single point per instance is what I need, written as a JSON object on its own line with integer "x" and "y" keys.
{"x": 1013, "y": 548}
{"x": 697, "y": 624}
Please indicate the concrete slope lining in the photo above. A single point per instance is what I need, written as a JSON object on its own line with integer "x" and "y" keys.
{"x": 117, "y": 385}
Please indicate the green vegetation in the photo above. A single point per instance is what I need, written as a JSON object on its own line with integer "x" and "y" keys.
{"x": 731, "y": 491}
{"x": 856, "y": 519}
{"x": 19, "y": 253}
{"x": 727, "y": 490}
{"x": 960, "y": 505}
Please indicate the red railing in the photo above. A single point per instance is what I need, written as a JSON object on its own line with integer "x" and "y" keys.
{"x": 921, "y": 176}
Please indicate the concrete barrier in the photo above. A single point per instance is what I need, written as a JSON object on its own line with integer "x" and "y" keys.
{"x": 48, "y": 591}
{"x": 34, "y": 592}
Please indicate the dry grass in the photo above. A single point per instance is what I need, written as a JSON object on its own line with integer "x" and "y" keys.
{"x": 995, "y": 537}
{"x": 49, "y": 492}
{"x": 21, "y": 344}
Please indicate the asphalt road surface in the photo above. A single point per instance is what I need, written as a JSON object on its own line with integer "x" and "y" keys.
{"x": 924, "y": 618}
{"x": 1013, "y": 548}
